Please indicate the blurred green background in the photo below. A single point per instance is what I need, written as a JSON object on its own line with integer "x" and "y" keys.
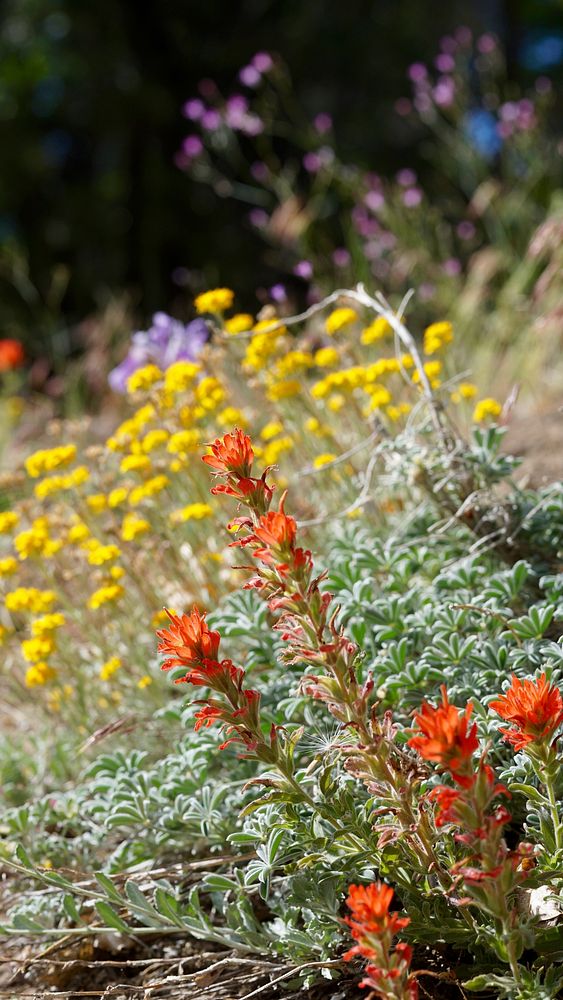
{"x": 91, "y": 202}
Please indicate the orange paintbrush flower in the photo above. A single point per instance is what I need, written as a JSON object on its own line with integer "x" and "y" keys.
{"x": 535, "y": 709}
{"x": 11, "y": 354}
{"x": 444, "y": 737}
{"x": 369, "y": 905}
{"x": 188, "y": 641}
{"x": 231, "y": 454}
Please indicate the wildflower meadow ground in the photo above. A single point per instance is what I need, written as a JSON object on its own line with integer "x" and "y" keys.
{"x": 291, "y": 642}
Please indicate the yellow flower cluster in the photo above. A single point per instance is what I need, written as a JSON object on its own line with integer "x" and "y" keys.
{"x": 30, "y": 599}
{"x": 437, "y": 336}
{"x": 193, "y": 512}
{"x": 54, "y": 484}
{"x": 340, "y": 318}
{"x": 217, "y": 300}
{"x": 485, "y": 409}
{"x": 49, "y": 459}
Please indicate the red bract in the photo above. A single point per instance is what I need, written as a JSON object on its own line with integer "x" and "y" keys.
{"x": 535, "y": 709}
{"x": 188, "y": 641}
{"x": 11, "y": 354}
{"x": 206, "y": 716}
{"x": 218, "y": 676}
{"x": 446, "y": 799}
{"x": 444, "y": 737}
{"x": 370, "y": 910}
{"x": 231, "y": 454}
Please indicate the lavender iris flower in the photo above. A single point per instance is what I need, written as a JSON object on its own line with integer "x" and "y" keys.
{"x": 166, "y": 341}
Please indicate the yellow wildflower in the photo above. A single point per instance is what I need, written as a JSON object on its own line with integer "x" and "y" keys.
{"x": 37, "y": 649}
{"x": 8, "y": 520}
{"x": 30, "y": 599}
{"x": 116, "y": 572}
{"x": 377, "y": 330}
{"x": 241, "y": 323}
{"x": 465, "y": 390}
{"x": 117, "y": 496}
{"x": 31, "y": 542}
{"x": 154, "y": 439}
{"x": 275, "y": 449}
{"x": 48, "y": 459}
{"x": 324, "y": 459}
{"x": 336, "y": 402}
{"x": 194, "y": 511}
{"x": 78, "y": 533}
{"x": 340, "y": 318}
{"x": 135, "y": 463}
{"x": 271, "y": 430}
{"x": 78, "y": 476}
{"x": 8, "y": 566}
{"x": 486, "y": 408}
{"x": 432, "y": 369}
{"x": 378, "y": 396}
{"x": 314, "y": 426}
{"x": 327, "y": 357}
{"x": 231, "y": 417}
{"x": 216, "y": 300}
{"x": 283, "y": 390}
{"x": 183, "y": 441}
{"x": 144, "y": 682}
{"x": 209, "y": 393}
{"x": 102, "y": 554}
{"x": 148, "y": 489}
{"x": 396, "y": 412}
{"x": 180, "y": 376}
{"x": 110, "y": 668}
{"x": 436, "y": 336}
{"x": 104, "y": 595}
{"x": 97, "y": 502}
{"x": 144, "y": 378}
{"x": 39, "y": 674}
{"x": 133, "y": 526}
{"x": 293, "y": 363}
{"x": 47, "y": 623}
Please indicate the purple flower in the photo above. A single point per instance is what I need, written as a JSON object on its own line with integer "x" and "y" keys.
{"x": 312, "y": 163}
{"x": 486, "y": 44}
{"x": 258, "y": 218}
{"x": 444, "y": 62}
{"x": 278, "y": 293}
{"x": 193, "y": 109}
{"x": 406, "y": 177}
{"x": 452, "y": 267}
{"x": 192, "y": 146}
{"x": 211, "y": 120}
{"x": 412, "y": 197}
{"x": 444, "y": 92}
{"x": 166, "y": 341}
{"x": 448, "y": 44}
{"x": 262, "y": 62}
{"x": 250, "y": 76}
{"x": 374, "y": 200}
{"x": 304, "y": 269}
{"x": 322, "y": 122}
{"x": 417, "y": 72}
{"x": 341, "y": 257}
{"x": 543, "y": 85}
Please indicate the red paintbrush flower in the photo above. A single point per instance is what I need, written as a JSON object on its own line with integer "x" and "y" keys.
{"x": 11, "y": 354}
{"x": 535, "y": 709}
{"x": 188, "y": 641}
{"x": 231, "y": 454}
{"x": 444, "y": 737}
{"x": 206, "y": 716}
{"x": 369, "y": 905}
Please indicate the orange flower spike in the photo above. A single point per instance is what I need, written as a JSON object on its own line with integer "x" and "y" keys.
{"x": 369, "y": 905}
{"x": 535, "y": 709}
{"x": 231, "y": 455}
{"x": 444, "y": 737}
{"x": 188, "y": 641}
{"x": 276, "y": 528}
